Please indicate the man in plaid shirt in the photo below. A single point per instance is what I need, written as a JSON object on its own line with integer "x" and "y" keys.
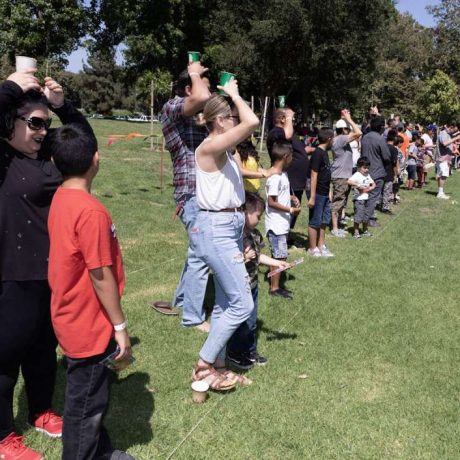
{"x": 182, "y": 137}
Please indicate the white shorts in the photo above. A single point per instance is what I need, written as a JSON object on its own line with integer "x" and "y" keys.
{"x": 442, "y": 169}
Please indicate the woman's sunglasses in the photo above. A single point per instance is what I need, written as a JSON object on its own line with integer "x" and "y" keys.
{"x": 37, "y": 123}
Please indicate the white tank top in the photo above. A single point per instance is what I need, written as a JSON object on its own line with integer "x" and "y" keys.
{"x": 220, "y": 189}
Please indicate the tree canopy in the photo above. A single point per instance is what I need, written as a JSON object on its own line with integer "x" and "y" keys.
{"x": 323, "y": 55}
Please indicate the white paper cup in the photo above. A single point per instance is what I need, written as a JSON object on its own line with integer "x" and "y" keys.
{"x": 24, "y": 62}
{"x": 199, "y": 391}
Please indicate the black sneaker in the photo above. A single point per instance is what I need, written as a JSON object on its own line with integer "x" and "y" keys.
{"x": 258, "y": 359}
{"x": 240, "y": 361}
{"x": 280, "y": 293}
{"x": 373, "y": 223}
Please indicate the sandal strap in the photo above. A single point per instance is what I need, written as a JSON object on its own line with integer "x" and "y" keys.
{"x": 202, "y": 372}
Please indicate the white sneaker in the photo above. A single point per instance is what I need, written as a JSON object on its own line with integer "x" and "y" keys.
{"x": 338, "y": 233}
{"x": 443, "y": 196}
{"x": 314, "y": 252}
{"x": 324, "y": 252}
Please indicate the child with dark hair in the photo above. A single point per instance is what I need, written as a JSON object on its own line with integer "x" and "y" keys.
{"x": 249, "y": 161}
{"x": 86, "y": 277}
{"x": 362, "y": 184}
{"x": 242, "y": 347}
{"x": 280, "y": 206}
{"x": 393, "y": 140}
{"x": 413, "y": 156}
{"x": 319, "y": 202}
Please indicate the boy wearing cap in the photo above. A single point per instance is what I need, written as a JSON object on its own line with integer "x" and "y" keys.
{"x": 342, "y": 167}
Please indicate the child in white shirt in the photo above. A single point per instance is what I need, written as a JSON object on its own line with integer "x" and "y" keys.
{"x": 362, "y": 184}
{"x": 280, "y": 205}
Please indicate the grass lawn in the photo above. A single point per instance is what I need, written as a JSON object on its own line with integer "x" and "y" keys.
{"x": 363, "y": 363}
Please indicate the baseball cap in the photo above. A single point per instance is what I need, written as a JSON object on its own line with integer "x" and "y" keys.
{"x": 341, "y": 124}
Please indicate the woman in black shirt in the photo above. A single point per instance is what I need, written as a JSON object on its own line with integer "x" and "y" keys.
{"x": 28, "y": 180}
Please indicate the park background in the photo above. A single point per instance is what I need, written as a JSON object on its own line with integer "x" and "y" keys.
{"x": 364, "y": 363}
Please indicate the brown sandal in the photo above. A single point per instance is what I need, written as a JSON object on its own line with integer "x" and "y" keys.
{"x": 215, "y": 380}
{"x": 240, "y": 378}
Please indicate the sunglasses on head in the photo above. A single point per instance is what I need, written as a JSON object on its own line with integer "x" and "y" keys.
{"x": 37, "y": 123}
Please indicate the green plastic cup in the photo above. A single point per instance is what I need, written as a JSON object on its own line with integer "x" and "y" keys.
{"x": 281, "y": 101}
{"x": 224, "y": 78}
{"x": 193, "y": 56}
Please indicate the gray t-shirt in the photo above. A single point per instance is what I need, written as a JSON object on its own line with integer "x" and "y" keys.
{"x": 444, "y": 136}
{"x": 374, "y": 147}
{"x": 342, "y": 165}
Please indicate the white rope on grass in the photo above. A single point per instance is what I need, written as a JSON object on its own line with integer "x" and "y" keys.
{"x": 194, "y": 428}
{"x": 156, "y": 264}
{"x": 187, "y": 436}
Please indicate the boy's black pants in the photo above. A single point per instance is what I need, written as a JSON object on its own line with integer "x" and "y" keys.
{"x": 27, "y": 342}
{"x": 86, "y": 401}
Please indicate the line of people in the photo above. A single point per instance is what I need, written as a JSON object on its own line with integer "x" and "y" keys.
{"x": 212, "y": 171}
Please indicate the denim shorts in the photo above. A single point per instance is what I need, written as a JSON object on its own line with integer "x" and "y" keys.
{"x": 320, "y": 214}
{"x": 278, "y": 244}
{"x": 411, "y": 172}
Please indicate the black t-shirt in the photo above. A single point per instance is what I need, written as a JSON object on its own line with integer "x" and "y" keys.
{"x": 27, "y": 187}
{"x": 298, "y": 169}
{"x": 389, "y": 167}
{"x": 319, "y": 162}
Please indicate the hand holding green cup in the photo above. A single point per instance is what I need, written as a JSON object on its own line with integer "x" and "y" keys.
{"x": 194, "y": 56}
{"x": 224, "y": 78}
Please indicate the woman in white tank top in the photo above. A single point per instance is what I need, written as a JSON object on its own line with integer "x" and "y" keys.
{"x": 217, "y": 234}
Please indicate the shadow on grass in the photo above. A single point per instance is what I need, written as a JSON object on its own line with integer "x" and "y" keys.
{"x": 273, "y": 335}
{"x": 131, "y": 406}
{"x": 297, "y": 239}
{"x": 429, "y": 192}
{"x": 131, "y": 409}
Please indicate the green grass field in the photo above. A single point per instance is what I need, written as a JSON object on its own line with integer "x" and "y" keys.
{"x": 364, "y": 363}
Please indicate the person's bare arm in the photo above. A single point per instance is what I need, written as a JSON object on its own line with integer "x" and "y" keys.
{"x": 272, "y": 201}
{"x": 199, "y": 90}
{"x": 249, "y": 173}
{"x": 450, "y": 141}
{"x": 265, "y": 260}
{"x": 288, "y": 126}
{"x": 313, "y": 184}
{"x": 219, "y": 144}
{"x": 356, "y": 132}
{"x": 106, "y": 288}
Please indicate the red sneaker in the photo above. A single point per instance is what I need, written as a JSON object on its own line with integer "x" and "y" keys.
{"x": 12, "y": 448}
{"x": 49, "y": 423}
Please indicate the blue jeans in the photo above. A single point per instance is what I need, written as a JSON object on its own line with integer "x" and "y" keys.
{"x": 217, "y": 239}
{"x": 320, "y": 214}
{"x": 244, "y": 339}
{"x": 191, "y": 290}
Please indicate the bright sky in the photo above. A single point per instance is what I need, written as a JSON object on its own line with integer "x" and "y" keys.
{"x": 417, "y": 8}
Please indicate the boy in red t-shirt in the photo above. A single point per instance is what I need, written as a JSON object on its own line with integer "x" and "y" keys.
{"x": 87, "y": 279}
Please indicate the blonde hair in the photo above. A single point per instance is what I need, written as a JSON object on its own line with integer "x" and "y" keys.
{"x": 216, "y": 106}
